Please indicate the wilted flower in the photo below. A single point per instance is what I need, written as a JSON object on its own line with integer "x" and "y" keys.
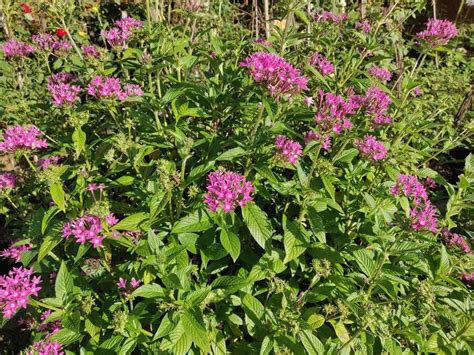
{"x": 22, "y": 137}
{"x": 438, "y": 32}
{"x": 280, "y": 77}
{"x": 288, "y": 150}
{"x": 467, "y": 278}
{"x": 380, "y": 73}
{"x": 371, "y": 147}
{"x": 7, "y": 180}
{"x": 85, "y": 228}
{"x": 15, "y": 288}
{"x": 322, "y": 64}
{"x": 226, "y": 190}
{"x": 15, "y": 252}
{"x": 61, "y": 89}
{"x": 16, "y": 49}
{"x": 51, "y": 327}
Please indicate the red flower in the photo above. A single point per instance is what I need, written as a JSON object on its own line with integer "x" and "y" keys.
{"x": 60, "y": 32}
{"x": 26, "y": 8}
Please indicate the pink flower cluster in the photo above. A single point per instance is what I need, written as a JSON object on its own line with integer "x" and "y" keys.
{"x": 22, "y": 137}
{"x": 50, "y": 327}
{"x": 117, "y": 37}
{"x": 127, "y": 289}
{"x": 288, "y": 150}
{"x": 380, "y": 73}
{"x": 376, "y": 103}
{"x": 91, "y": 51}
{"x": 45, "y": 163}
{"x": 438, "y": 32}
{"x": 61, "y": 90}
{"x": 364, "y": 26}
{"x": 94, "y": 187}
{"x": 16, "y": 49}
{"x": 332, "y": 112}
{"x": 315, "y": 136}
{"x": 454, "y": 239}
{"x": 467, "y": 278}
{"x": 226, "y": 190}
{"x": 111, "y": 220}
{"x": 85, "y": 228}
{"x": 15, "y": 252}
{"x": 15, "y": 288}
{"x": 371, "y": 147}
{"x": 322, "y": 64}
{"x": 328, "y": 16}
{"x": 7, "y": 180}
{"x": 46, "y": 42}
{"x": 280, "y": 77}
{"x": 110, "y": 88}
{"x": 423, "y": 213}
{"x": 44, "y": 347}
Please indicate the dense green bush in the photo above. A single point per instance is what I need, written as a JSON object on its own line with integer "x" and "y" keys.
{"x": 171, "y": 184}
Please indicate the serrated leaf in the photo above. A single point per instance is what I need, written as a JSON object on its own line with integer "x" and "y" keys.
{"x": 66, "y": 336}
{"x": 231, "y": 154}
{"x": 149, "y": 291}
{"x": 132, "y": 222}
{"x": 258, "y": 224}
{"x": 79, "y": 140}
{"x": 58, "y": 195}
{"x": 48, "y": 244}
{"x": 197, "y": 221}
{"x": 266, "y": 347}
{"x": 365, "y": 262}
{"x": 253, "y": 308}
{"x": 317, "y": 224}
{"x": 231, "y": 243}
{"x": 64, "y": 284}
{"x": 180, "y": 340}
{"x": 295, "y": 240}
{"x": 311, "y": 343}
{"x": 196, "y": 331}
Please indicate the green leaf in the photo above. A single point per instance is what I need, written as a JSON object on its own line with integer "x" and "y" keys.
{"x": 329, "y": 186}
{"x": 317, "y": 224}
{"x": 48, "y": 216}
{"x": 180, "y": 339}
{"x": 346, "y": 156}
{"x": 64, "y": 284}
{"x": 149, "y": 291}
{"x": 79, "y": 140}
{"x": 66, "y": 336}
{"x": 253, "y": 308}
{"x": 197, "y": 221}
{"x": 295, "y": 240}
{"x": 365, "y": 262}
{"x": 123, "y": 181}
{"x": 231, "y": 154}
{"x": 231, "y": 243}
{"x": 58, "y": 196}
{"x": 443, "y": 267}
{"x": 196, "y": 331}
{"x": 132, "y": 222}
{"x": 266, "y": 347}
{"x": 257, "y": 223}
{"x": 173, "y": 94}
{"x": 311, "y": 343}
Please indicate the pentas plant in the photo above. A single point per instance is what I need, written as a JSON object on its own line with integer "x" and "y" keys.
{"x": 15, "y": 252}
{"x": 287, "y": 150}
{"x": 110, "y": 88}
{"x": 14, "y": 49}
{"x": 380, "y": 73}
{"x": 438, "y": 32}
{"x": 87, "y": 228}
{"x": 322, "y": 64}
{"x": 22, "y": 138}
{"x": 63, "y": 92}
{"x": 371, "y": 147}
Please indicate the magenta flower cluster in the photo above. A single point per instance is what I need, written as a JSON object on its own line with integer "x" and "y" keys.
{"x": 85, "y": 228}
{"x": 16, "y": 49}
{"x": 118, "y": 36}
{"x": 7, "y": 180}
{"x": 22, "y": 137}
{"x": 287, "y": 150}
{"x": 280, "y": 77}
{"x": 380, "y": 73}
{"x": 45, "y": 163}
{"x": 364, "y": 26}
{"x": 322, "y": 64}
{"x": 467, "y": 278}
{"x": 325, "y": 141}
{"x": 328, "y": 16}
{"x": 423, "y": 213}
{"x": 333, "y": 111}
{"x": 227, "y": 190}
{"x": 438, "y": 32}
{"x": 110, "y": 88}
{"x": 45, "y": 347}
{"x": 376, "y": 103}
{"x": 14, "y": 252}
{"x": 15, "y": 288}
{"x": 91, "y": 51}
{"x": 61, "y": 90}
{"x": 46, "y": 42}
{"x": 455, "y": 240}
{"x": 371, "y": 147}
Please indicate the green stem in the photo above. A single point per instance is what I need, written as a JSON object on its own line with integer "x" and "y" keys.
{"x": 76, "y": 48}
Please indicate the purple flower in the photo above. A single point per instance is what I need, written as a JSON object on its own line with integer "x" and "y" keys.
{"x": 127, "y": 24}
{"x": 85, "y": 228}
{"x": 280, "y": 77}
{"x": 93, "y": 187}
{"x": 438, "y": 32}
{"x": 467, "y": 278}
{"x": 7, "y": 180}
{"x": 325, "y": 141}
{"x": 227, "y": 190}
{"x": 122, "y": 283}
{"x": 115, "y": 37}
{"x": 376, "y": 103}
{"x": 455, "y": 240}
{"x": 380, "y": 73}
{"x": 61, "y": 90}
{"x": 371, "y": 147}
{"x": 91, "y": 51}
{"x": 45, "y": 163}
{"x": 22, "y": 137}
{"x": 364, "y": 26}
{"x": 16, "y": 49}
{"x": 423, "y": 217}
{"x": 15, "y": 288}
{"x": 111, "y": 219}
{"x": 61, "y": 47}
{"x": 308, "y": 101}
{"x": 409, "y": 186}
{"x": 328, "y": 16}
{"x": 15, "y": 252}
{"x": 45, "y": 347}
{"x": 332, "y": 112}
{"x": 416, "y": 91}
{"x": 108, "y": 87}
{"x": 287, "y": 149}
{"x": 323, "y": 65}
{"x": 130, "y": 90}
{"x": 44, "y": 41}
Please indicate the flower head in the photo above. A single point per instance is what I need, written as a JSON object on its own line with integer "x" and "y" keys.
{"x": 45, "y": 347}
{"x": 108, "y": 87}
{"x": 45, "y": 163}
{"x": 380, "y": 73}
{"x": 438, "y": 32}
{"x": 411, "y": 187}
{"x": 455, "y": 240}
{"x": 13, "y": 49}
{"x": 423, "y": 217}
{"x": 330, "y": 17}
{"x": 467, "y": 278}
{"x": 371, "y": 147}
{"x": 61, "y": 90}
{"x": 111, "y": 219}
{"x": 332, "y": 112}
{"x": 15, "y": 252}
{"x": 15, "y": 288}
{"x": 127, "y": 24}
{"x": 85, "y": 228}
{"x": 25, "y": 7}
{"x": 115, "y": 37}
{"x": 94, "y": 186}
{"x": 91, "y": 51}
{"x": 61, "y": 32}
{"x": 288, "y": 150}
{"x": 22, "y": 137}
{"x": 324, "y": 140}
{"x": 227, "y": 190}
{"x": 323, "y": 65}
{"x": 7, "y": 180}
{"x": 280, "y": 77}
{"x": 364, "y": 26}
